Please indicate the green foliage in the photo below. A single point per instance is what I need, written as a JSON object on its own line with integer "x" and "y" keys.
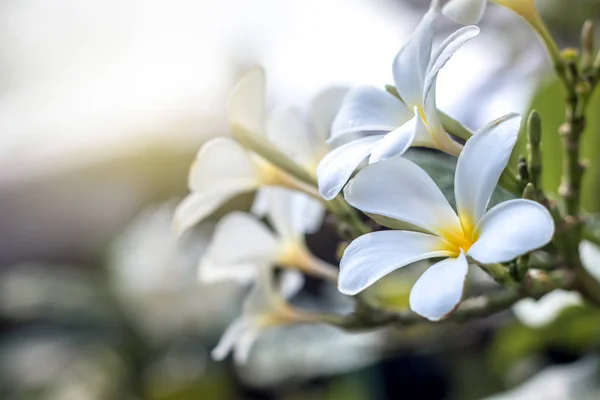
{"x": 549, "y": 103}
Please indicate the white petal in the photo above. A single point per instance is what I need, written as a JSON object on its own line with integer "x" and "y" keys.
{"x": 444, "y": 52}
{"x": 241, "y": 238}
{"x": 291, "y": 282}
{"x": 400, "y": 189}
{"x": 590, "y": 258}
{"x": 263, "y": 297}
{"x": 337, "y": 167}
{"x": 287, "y": 131}
{"x": 545, "y": 310}
{"x": 369, "y": 109}
{"x": 465, "y": 12}
{"x": 293, "y": 214}
{"x": 222, "y": 162}
{"x": 434, "y": 135}
{"x": 374, "y": 255}
{"x": 195, "y": 207}
{"x": 229, "y": 338}
{"x": 411, "y": 62}
{"x": 260, "y": 204}
{"x": 480, "y": 165}
{"x": 241, "y": 352}
{"x": 395, "y": 142}
{"x": 439, "y": 290}
{"x": 247, "y": 102}
{"x": 511, "y": 229}
{"x": 209, "y": 272}
{"x": 323, "y": 109}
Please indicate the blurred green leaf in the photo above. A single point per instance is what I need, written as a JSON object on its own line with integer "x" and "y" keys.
{"x": 548, "y": 101}
{"x": 440, "y": 167}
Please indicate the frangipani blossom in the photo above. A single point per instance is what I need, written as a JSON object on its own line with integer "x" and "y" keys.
{"x": 394, "y": 124}
{"x": 242, "y": 244}
{"x": 468, "y": 12}
{"x": 538, "y": 313}
{"x": 264, "y": 308}
{"x": 224, "y": 169}
{"x": 397, "y": 188}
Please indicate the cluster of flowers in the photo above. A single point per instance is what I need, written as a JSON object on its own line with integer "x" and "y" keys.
{"x": 364, "y": 129}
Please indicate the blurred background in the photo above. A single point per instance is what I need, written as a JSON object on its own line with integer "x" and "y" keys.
{"x": 103, "y": 105}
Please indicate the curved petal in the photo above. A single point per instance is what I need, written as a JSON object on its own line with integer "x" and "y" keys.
{"x": 411, "y": 62}
{"x": 324, "y": 108}
{"x": 222, "y": 162}
{"x": 241, "y": 352}
{"x": 395, "y": 142}
{"x": 229, "y": 338}
{"x": 480, "y": 165}
{"x": 241, "y": 238}
{"x": 511, "y": 229}
{"x": 444, "y": 52}
{"x": 337, "y": 167}
{"x": 374, "y": 255}
{"x": 434, "y": 135}
{"x": 197, "y": 206}
{"x": 465, "y": 12}
{"x": 293, "y": 214}
{"x": 400, "y": 189}
{"x": 247, "y": 102}
{"x": 287, "y": 131}
{"x": 368, "y": 109}
{"x": 439, "y": 290}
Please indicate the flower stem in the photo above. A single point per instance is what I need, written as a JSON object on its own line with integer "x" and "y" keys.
{"x": 578, "y": 88}
{"x": 347, "y": 215}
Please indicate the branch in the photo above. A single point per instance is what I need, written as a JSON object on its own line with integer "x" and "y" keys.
{"x": 536, "y": 284}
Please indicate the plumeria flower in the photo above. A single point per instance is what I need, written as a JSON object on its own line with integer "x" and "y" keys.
{"x": 394, "y": 124}
{"x": 264, "y": 308}
{"x": 539, "y": 313}
{"x": 224, "y": 169}
{"x": 399, "y": 189}
{"x": 468, "y": 12}
{"x": 242, "y": 243}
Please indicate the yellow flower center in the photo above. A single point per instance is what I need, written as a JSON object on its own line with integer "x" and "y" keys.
{"x": 421, "y": 112}
{"x": 525, "y": 8}
{"x": 459, "y": 237}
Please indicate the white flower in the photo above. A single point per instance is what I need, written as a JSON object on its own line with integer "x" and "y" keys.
{"x": 242, "y": 243}
{"x": 471, "y": 11}
{"x": 394, "y": 124}
{"x": 399, "y": 189}
{"x": 264, "y": 308}
{"x": 538, "y": 313}
{"x": 224, "y": 168}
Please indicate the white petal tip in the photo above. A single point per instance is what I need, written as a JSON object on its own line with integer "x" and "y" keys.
{"x": 346, "y": 291}
{"x": 464, "y": 12}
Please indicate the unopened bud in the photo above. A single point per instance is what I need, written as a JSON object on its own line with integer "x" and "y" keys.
{"x": 530, "y": 193}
